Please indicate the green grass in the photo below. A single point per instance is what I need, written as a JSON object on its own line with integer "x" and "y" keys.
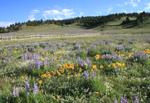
{"x": 103, "y": 88}
{"x": 49, "y": 29}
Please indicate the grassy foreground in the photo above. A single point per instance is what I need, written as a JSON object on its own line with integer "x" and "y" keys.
{"x": 81, "y": 69}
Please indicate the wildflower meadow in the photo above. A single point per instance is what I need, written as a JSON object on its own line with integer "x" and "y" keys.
{"x": 75, "y": 71}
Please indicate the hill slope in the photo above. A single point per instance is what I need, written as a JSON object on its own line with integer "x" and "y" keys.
{"x": 114, "y": 23}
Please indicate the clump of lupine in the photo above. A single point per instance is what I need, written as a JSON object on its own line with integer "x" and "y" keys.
{"x": 140, "y": 57}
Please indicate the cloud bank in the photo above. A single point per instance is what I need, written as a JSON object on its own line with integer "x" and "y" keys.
{"x": 147, "y": 6}
{"x": 5, "y": 23}
{"x": 133, "y": 3}
{"x": 32, "y": 15}
{"x": 56, "y": 14}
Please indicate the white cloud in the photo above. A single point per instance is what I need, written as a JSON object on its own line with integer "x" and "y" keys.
{"x": 58, "y": 14}
{"x": 147, "y": 6}
{"x": 35, "y": 11}
{"x": 133, "y": 3}
{"x": 33, "y": 14}
{"x": 5, "y": 23}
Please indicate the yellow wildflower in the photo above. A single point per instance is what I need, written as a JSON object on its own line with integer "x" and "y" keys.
{"x": 94, "y": 67}
{"x": 118, "y": 65}
{"x": 40, "y": 81}
{"x": 43, "y": 76}
{"x": 123, "y": 65}
{"x": 97, "y": 57}
{"x": 147, "y": 51}
{"x": 52, "y": 73}
{"x": 71, "y": 66}
{"x": 130, "y": 54}
{"x": 101, "y": 66}
{"x": 114, "y": 65}
{"x": 61, "y": 70}
{"x": 48, "y": 75}
{"x": 22, "y": 77}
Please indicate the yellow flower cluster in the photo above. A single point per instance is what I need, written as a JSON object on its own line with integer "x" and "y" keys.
{"x": 94, "y": 68}
{"x": 67, "y": 66}
{"x": 125, "y": 54}
{"x": 48, "y": 74}
{"x": 40, "y": 81}
{"x": 121, "y": 54}
{"x": 130, "y": 54}
{"x": 117, "y": 65}
{"x": 98, "y": 56}
{"x": 58, "y": 72}
{"x": 147, "y": 51}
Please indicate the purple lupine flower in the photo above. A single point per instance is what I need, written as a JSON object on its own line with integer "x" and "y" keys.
{"x": 140, "y": 56}
{"x": 135, "y": 99}
{"x": 16, "y": 92}
{"x": 123, "y": 100}
{"x": 112, "y": 57}
{"x": 116, "y": 57}
{"x": 86, "y": 74}
{"x": 120, "y": 48}
{"x": 26, "y": 56}
{"x": 80, "y": 62}
{"x": 46, "y": 49}
{"x": 107, "y": 56}
{"x": 88, "y": 62}
{"x": 35, "y": 56}
{"x": 38, "y": 64}
{"x": 27, "y": 87}
{"x": 35, "y": 88}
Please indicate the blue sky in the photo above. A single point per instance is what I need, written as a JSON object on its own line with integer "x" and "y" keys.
{"x": 22, "y": 10}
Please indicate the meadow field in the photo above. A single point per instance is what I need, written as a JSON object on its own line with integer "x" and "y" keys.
{"x": 89, "y": 67}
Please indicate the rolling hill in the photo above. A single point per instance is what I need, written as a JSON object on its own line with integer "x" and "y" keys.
{"x": 110, "y": 24}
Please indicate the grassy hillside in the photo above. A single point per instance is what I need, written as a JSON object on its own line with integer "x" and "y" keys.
{"x": 116, "y": 27}
{"x": 50, "y": 29}
{"x": 111, "y": 24}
